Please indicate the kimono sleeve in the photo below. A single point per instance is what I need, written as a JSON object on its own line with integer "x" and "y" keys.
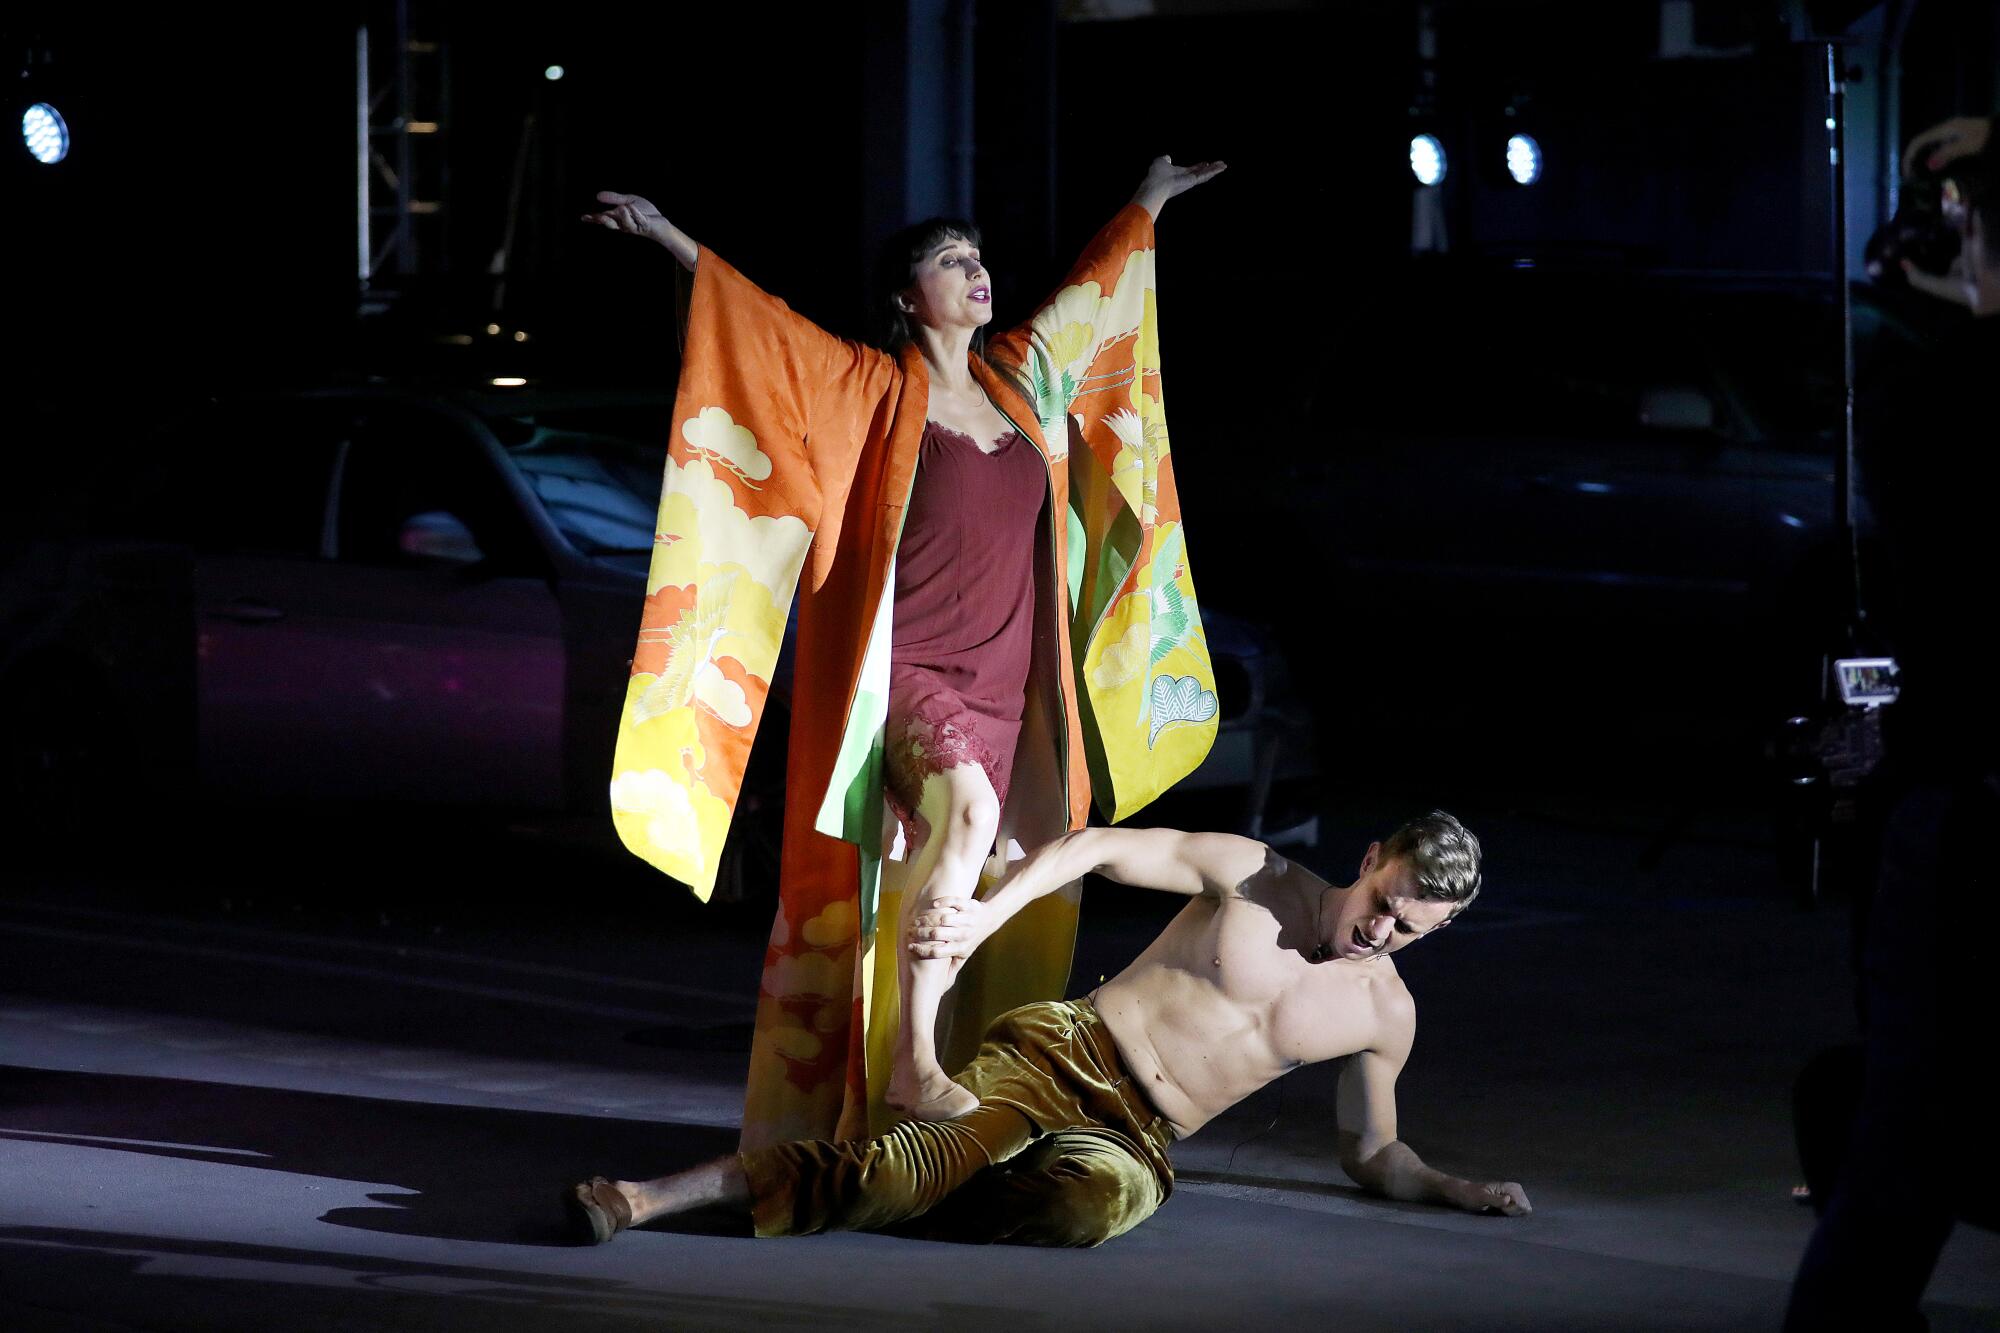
{"x": 769, "y": 421}
{"x": 1054, "y": 350}
{"x": 1090, "y": 360}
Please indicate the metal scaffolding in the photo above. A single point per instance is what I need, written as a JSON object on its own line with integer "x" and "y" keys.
{"x": 402, "y": 100}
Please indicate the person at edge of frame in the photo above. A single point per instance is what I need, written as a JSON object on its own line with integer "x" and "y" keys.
{"x": 1878, "y": 1120}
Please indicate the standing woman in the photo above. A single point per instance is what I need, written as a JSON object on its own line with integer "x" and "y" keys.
{"x": 955, "y": 523}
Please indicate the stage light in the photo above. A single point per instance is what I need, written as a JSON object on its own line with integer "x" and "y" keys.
{"x": 507, "y": 381}
{"x": 552, "y": 73}
{"x": 45, "y": 134}
{"x": 1524, "y": 159}
{"x": 1427, "y": 159}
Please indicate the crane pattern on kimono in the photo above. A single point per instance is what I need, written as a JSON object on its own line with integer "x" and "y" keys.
{"x": 691, "y": 643}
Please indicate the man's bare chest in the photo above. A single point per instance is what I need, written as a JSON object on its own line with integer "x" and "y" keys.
{"x": 1306, "y": 1011}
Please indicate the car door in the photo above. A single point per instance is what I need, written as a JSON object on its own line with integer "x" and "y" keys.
{"x": 416, "y": 653}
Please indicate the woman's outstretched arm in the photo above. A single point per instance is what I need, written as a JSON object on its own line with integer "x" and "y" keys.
{"x": 636, "y": 216}
{"x": 1052, "y": 354}
{"x": 1102, "y": 263}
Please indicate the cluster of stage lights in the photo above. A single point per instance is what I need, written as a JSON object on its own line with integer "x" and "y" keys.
{"x": 45, "y": 134}
{"x": 1428, "y": 164}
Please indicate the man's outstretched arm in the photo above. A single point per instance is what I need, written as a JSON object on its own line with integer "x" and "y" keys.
{"x": 1371, "y": 1154}
{"x": 1150, "y": 858}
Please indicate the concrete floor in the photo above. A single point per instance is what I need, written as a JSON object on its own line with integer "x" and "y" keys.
{"x": 348, "y": 1102}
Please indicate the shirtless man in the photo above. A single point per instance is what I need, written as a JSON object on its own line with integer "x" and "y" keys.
{"x": 1267, "y": 968}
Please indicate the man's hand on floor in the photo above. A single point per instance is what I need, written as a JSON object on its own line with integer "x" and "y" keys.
{"x": 1500, "y": 1196}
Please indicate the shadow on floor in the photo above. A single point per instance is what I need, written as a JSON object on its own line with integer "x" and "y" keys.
{"x": 213, "y": 1284}
{"x": 474, "y": 1173}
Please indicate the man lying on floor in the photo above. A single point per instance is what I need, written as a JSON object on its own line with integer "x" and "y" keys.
{"x": 1268, "y": 968}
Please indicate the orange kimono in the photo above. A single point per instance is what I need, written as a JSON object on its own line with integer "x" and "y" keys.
{"x": 792, "y": 462}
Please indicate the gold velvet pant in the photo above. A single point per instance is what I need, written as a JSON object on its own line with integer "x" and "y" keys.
{"x": 1063, "y": 1150}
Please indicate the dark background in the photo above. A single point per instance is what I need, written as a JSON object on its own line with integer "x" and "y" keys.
{"x": 207, "y": 208}
{"x": 264, "y": 1066}
{"x": 200, "y": 238}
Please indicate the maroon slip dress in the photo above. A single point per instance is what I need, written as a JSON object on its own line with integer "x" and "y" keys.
{"x": 964, "y": 614}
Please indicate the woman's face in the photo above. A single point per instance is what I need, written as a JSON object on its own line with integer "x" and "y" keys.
{"x": 950, "y": 288}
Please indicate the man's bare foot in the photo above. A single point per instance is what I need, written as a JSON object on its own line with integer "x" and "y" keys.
{"x": 599, "y": 1209}
{"x": 937, "y": 1099}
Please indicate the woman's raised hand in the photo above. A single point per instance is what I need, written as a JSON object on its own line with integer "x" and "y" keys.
{"x": 628, "y": 213}
{"x": 1164, "y": 180}
{"x": 636, "y": 216}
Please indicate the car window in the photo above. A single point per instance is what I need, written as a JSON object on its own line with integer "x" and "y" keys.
{"x": 602, "y": 491}
{"x": 400, "y": 473}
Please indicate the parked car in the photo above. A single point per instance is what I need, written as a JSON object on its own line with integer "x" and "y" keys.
{"x": 374, "y": 593}
{"x": 1534, "y": 505}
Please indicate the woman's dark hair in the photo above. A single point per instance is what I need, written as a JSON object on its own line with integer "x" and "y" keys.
{"x": 896, "y": 269}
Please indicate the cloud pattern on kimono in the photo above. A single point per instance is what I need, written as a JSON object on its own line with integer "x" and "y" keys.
{"x": 721, "y": 695}
{"x": 808, "y": 974}
{"x": 713, "y": 432}
{"x": 1126, "y": 660}
{"x": 665, "y": 805}
{"x": 1120, "y": 313}
{"x": 832, "y": 926}
{"x": 701, "y": 524}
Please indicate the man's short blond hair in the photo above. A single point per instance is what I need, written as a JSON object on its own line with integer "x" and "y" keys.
{"x": 1443, "y": 853}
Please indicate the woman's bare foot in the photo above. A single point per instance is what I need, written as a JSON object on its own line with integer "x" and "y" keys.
{"x": 934, "y": 1099}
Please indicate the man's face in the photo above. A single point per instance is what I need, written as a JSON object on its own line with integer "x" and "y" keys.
{"x": 1381, "y": 912}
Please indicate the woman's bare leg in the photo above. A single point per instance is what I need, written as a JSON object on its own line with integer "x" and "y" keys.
{"x": 962, "y": 828}
{"x": 720, "y": 1182}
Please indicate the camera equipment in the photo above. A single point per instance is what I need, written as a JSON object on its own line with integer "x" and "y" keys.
{"x": 1866, "y": 682}
{"x": 1825, "y": 756}
{"x": 1930, "y": 219}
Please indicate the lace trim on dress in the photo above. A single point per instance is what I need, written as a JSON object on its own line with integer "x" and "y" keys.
{"x": 1001, "y": 445}
{"x": 922, "y": 742}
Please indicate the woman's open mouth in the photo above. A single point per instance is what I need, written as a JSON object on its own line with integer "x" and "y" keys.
{"x": 981, "y": 295}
